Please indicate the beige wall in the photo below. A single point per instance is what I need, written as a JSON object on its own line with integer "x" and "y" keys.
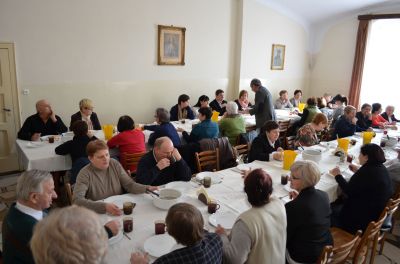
{"x": 333, "y": 64}
{"x": 107, "y": 50}
{"x": 263, "y": 27}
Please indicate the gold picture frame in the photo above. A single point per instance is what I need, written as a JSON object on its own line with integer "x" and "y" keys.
{"x": 171, "y": 45}
{"x": 278, "y": 57}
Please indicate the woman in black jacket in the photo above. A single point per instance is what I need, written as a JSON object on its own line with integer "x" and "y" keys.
{"x": 308, "y": 215}
{"x": 267, "y": 143}
{"x": 367, "y": 192}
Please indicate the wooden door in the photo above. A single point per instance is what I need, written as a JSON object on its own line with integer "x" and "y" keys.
{"x": 9, "y": 110}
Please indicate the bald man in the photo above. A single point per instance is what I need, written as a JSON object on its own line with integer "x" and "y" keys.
{"x": 162, "y": 165}
{"x": 44, "y": 122}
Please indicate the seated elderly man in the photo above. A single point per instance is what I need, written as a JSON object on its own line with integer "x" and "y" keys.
{"x": 162, "y": 165}
{"x": 44, "y": 122}
{"x": 35, "y": 192}
{"x": 101, "y": 178}
{"x": 77, "y": 227}
{"x": 283, "y": 100}
{"x": 186, "y": 225}
{"x": 346, "y": 124}
{"x": 182, "y": 110}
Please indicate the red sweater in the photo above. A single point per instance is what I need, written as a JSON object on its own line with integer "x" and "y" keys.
{"x": 131, "y": 141}
{"x": 378, "y": 121}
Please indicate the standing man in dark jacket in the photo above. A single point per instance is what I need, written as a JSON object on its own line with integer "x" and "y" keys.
{"x": 263, "y": 108}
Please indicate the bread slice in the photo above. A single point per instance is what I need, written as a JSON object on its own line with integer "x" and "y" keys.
{"x": 203, "y": 196}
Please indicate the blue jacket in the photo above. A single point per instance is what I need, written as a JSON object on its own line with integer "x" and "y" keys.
{"x": 163, "y": 130}
{"x": 344, "y": 128}
{"x": 205, "y": 129}
{"x": 174, "y": 113}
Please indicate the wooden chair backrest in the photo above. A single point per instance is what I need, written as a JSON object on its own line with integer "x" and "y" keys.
{"x": 131, "y": 159}
{"x": 242, "y": 149}
{"x": 338, "y": 255}
{"x": 68, "y": 191}
{"x": 208, "y": 159}
{"x": 289, "y": 142}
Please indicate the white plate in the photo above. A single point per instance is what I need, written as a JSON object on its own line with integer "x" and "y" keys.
{"x": 215, "y": 178}
{"x": 119, "y": 200}
{"x": 182, "y": 186}
{"x": 34, "y": 144}
{"x": 244, "y": 167}
{"x": 159, "y": 245}
{"x": 224, "y": 219}
{"x": 115, "y": 239}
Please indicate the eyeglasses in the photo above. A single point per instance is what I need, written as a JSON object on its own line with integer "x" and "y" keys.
{"x": 295, "y": 178}
{"x": 88, "y": 108}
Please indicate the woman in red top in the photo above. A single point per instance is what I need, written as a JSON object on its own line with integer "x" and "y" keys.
{"x": 377, "y": 120}
{"x": 129, "y": 140}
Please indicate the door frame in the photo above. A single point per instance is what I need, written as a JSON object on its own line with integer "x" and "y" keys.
{"x": 14, "y": 88}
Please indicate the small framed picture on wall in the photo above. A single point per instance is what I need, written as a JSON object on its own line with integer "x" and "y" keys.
{"x": 171, "y": 45}
{"x": 277, "y": 57}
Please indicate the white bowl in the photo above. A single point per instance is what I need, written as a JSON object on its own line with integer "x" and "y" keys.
{"x": 311, "y": 154}
{"x": 167, "y": 198}
{"x": 390, "y": 142}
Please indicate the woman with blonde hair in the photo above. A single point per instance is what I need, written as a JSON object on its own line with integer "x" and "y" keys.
{"x": 307, "y": 134}
{"x": 308, "y": 215}
{"x": 86, "y": 114}
{"x": 243, "y": 100}
{"x": 69, "y": 235}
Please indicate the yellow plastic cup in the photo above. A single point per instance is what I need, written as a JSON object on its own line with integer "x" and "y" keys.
{"x": 288, "y": 158}
{"x": 108, "y": 131}
{"x": 367, "y": 137}
{"x": 214, "y": 116}
{"x": 343, "y": 143}
{"x": 301, "y": 107}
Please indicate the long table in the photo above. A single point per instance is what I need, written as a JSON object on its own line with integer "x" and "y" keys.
{"x": 229, "y": 194}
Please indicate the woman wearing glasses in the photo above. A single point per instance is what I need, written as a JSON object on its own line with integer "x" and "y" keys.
{"x": 86, "y": 114}
{"x": 308, "y": 215}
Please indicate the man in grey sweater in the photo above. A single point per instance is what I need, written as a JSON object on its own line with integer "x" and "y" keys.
{"x": 263, "y": 108}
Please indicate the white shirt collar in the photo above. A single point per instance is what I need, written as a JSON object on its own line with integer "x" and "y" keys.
{"x": 38, "y": 215}
{"x": 272, "y": 144}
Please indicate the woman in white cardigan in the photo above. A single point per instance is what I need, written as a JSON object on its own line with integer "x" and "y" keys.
{"x": 259, "y": 234}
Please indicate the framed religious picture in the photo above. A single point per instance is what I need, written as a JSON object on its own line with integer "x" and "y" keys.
{"x": 171, "y": 45}
{"x": 277, "y": 57}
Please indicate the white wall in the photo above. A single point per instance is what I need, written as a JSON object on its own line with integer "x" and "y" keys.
{"x": 107, "y": 50}
{"x": 333, "y": 64}
{"x": 263, "y": 27}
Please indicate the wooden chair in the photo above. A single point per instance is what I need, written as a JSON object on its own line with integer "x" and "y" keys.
{"x": 387, "y": 226}
{"x": 207, "y": 160}
{"x": 289, "y": 142}
{"x": 339, "y": 254}
{"x": 241, "y": 150}
{"x": 131, "y": 159}
{"x": 68, "y": 191}
{"x": 368, "y": 240}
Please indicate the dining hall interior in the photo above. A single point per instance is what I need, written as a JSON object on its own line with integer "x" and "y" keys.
{"x": 116, "y": 54}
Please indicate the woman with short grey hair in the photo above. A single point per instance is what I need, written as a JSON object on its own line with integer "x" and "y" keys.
{"x": 164, "y": 128}
{"x": 232, "y": 124}
{"x": 69, "y": 235}
{"x": 308, "y": 215}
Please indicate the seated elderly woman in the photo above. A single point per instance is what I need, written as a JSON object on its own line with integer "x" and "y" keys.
{"x": 80, "y": 237}
{"x": 340, "y": 103}
{"x": 102, "y": 178}
{"x": 309, "y": 112}
{"x": 389, "y": 116}
{"x": 283, "y": 100}
{"x": 77, "y": 148}
{"x": 205, "y": 129}
{"x": 308, "y": 215}
{"x": 377, "y": 120}
{"x": 266, "y": 145}
{"x": 86, "y": 114}
{"x": 364, "y": 118}
{"x": 182, "y": 110}
{"x": 232, "y": 124}
{"x": 163, "y": 128}
{"x": 243, "y": 101}
{"x": 296, "y": 99}
{"x": 366, "y": 193}
{"x": 307, "y": 134}
{"x": 259, "y": 234}
{"x": 346, "y": 124}
{"x": 202, "y": 102}
{"x": 129, "y": 140}
{"x": 186, "y": 225}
